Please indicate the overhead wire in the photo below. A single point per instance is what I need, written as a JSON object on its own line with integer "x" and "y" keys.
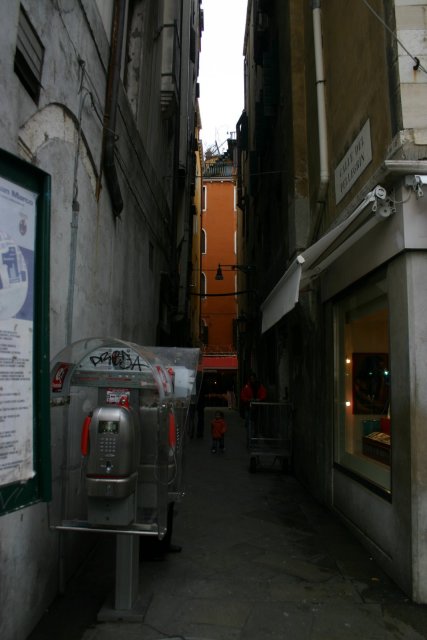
{"x": 258, "y": 173}
{"x": 141, "y": 164}
{"x": 61, "y": 12}
{"x": 220, "y": 295}
{"x": 97, "y": 106}
{"x": 125, "y": 171}
{"x": 418, "y": 64}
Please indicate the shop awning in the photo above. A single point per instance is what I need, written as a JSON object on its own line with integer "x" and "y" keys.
{"x": 219, "y": 362}
{"x": 311, "y": 262}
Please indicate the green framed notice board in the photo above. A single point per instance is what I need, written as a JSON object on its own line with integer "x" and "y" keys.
{"x": 25, "y": 475}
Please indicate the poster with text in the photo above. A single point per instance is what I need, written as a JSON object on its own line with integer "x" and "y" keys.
{"x": 17, "y": 246}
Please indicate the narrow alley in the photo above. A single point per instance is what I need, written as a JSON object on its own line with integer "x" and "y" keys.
{"x": 260, "y": 559}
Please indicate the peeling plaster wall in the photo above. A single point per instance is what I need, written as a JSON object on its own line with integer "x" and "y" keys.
{"x": 28, "y": 579}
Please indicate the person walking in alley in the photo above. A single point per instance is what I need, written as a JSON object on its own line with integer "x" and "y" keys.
{"x": 253, "y": 391}
{"x": 218, "y": 428}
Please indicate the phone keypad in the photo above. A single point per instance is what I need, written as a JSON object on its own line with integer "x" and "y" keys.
{"x": 107, "y": 447}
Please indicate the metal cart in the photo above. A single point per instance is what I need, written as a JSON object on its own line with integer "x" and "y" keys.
{"x": 270, "y": 434}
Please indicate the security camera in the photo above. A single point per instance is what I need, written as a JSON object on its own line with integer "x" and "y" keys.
{"x": 385, "y": 211}
{"x": 414, "y": 180}
{"x": 380, "y": 192}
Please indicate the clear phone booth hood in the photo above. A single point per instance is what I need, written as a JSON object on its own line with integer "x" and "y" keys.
{"x": 119, "y": 416}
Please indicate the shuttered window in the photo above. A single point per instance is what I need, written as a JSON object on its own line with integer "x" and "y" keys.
{"x": 29, "y": 56}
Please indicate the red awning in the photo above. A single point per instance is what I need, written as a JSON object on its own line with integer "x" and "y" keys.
{"x": 219, "y": 362}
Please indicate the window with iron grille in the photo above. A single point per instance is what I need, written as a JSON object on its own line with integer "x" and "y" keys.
{"x": 28, "y": 56}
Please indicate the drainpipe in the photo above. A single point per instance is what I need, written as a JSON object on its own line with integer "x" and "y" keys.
{"x": 321, "y": 116}
{"x": 111, "y": 102}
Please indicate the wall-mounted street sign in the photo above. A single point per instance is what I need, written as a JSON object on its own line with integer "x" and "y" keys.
{"x": 353, "y": 164}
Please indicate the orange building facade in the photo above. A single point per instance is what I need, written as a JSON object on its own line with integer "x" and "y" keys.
{"x": 219, "y": 311}
{"x": 219, "y": 299}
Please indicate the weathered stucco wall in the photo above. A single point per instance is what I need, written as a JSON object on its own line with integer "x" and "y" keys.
{"x": 115, "y": 287}
{"x": 357, "y": 87}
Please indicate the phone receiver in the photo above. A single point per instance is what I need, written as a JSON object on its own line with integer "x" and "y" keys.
{"x": 84, "y": 440}
{"x": 172, "y": 431}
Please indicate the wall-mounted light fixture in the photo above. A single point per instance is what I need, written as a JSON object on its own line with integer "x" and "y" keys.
{"x": 246, "y": 268}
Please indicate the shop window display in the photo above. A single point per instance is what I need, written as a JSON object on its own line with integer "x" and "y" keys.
{"x": 363, "y": 416}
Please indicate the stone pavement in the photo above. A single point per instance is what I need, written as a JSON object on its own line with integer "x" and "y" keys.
{"x": 260, "y": 560}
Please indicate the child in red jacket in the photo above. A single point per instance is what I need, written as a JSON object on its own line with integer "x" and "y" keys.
{"x": 218, "y": 427}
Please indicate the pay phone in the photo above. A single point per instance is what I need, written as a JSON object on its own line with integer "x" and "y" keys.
{"x": 109, "y": 442}
{"x": 126, "y": 405}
